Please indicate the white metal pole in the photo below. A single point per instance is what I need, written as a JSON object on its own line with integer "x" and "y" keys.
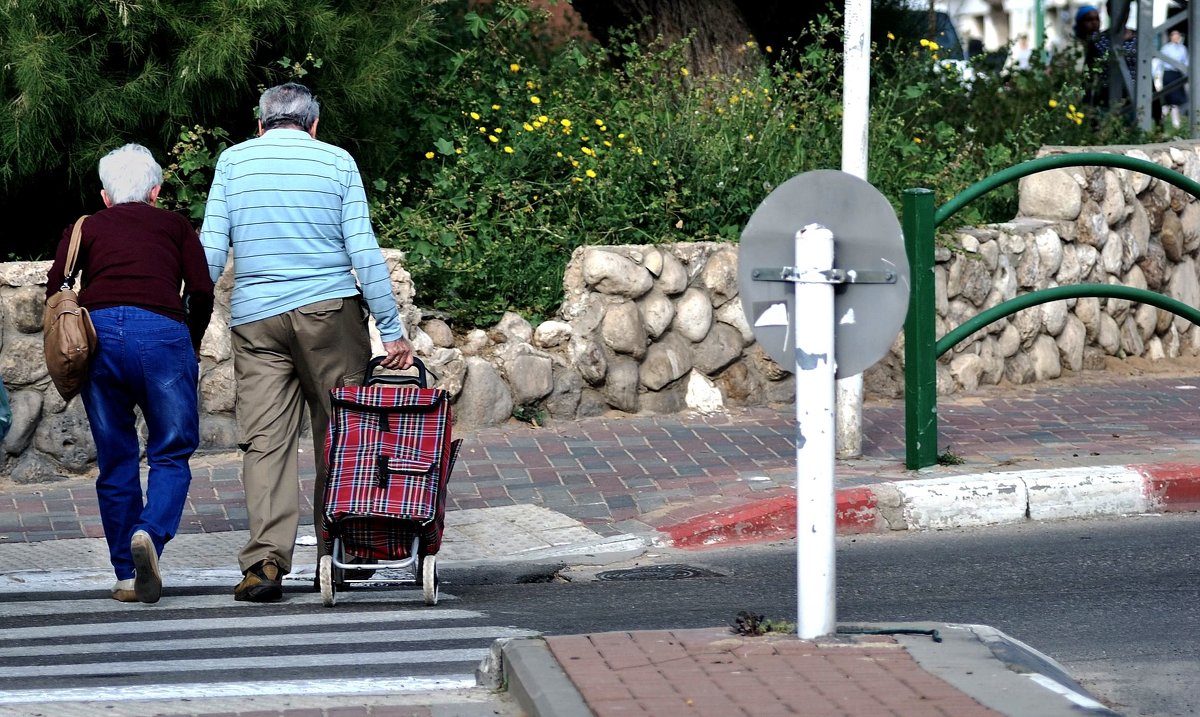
{"x": 815, "y": 497}
{"x": 856, "y": 113}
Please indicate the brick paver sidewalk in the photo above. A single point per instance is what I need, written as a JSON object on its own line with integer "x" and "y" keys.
{"x": 711, "y": 672}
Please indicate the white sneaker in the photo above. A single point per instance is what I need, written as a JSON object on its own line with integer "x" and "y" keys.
{"x": 147, "y": 584}
{"x": 123, "y": 591}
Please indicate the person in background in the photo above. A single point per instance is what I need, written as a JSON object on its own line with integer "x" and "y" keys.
{"x": 1022, "y": 53}
{"x": 1174, "y": 77}
{"x": 1113, "y": 80}
{"x": 294, "y": 210}
{"x": 135, "y": 257}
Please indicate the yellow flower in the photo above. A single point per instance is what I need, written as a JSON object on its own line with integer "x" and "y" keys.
{"x": 769, "y": 50}
{"x": 1053, "y": 103}
{"x": 493, "y": 138}
{"x": 574, "y": 162}
{"x": 587, "y": 150}
{"x": 917, "y": 140}
{"x": 495, "y": 107}
{"x": 583, "y": 138}
{"x": 543, "y": 119}
{"x": 536, "y": 124}
{"x": 458, "y": 150}
{"x": 558, "y": 154}
{"x": 599, "y": 122}
{"x": 429, "y": 155}
{"x": 683, "y": 71}
{"x": 499, "y": 130}
{"x": 603, "y": 128}
{"x": 621, "y": 135}
{"x": 638, "y": 151}
{"x": 507, "y": 149}
{"x": 475, "y": 116}
{"x": 528, "y": 127}
{"x": 565, "y": 123}
{"x": 607, "y": 143}
{"x": 483, "y": 129}
{"x": 654, "y": 163}
{"x": 924, "y": 42}
{"x": 891, "y": 36}
{"x": 529, "y": 84}
{"x": 591, "y": 173}
{"x": 514, "y": 67}
{"x": 536, "y": 100}
{"x": 1070, "y": 108}
{"x": 934, "y": 46}
{"x": 576, "y": 179}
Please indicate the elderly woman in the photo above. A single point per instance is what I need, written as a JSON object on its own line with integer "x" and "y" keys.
{"x": 134, "y": 258}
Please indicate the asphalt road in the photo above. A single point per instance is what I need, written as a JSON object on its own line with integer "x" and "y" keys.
{"x": 1116, "y": 602}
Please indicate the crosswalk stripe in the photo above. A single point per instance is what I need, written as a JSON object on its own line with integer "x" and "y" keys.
{"x": 361, "y": 637}
{"x": 324, "y": 660}
{"x": 237, "y": 689}
{"x": 184, "y": 602}
{"x": 258, "y": 623}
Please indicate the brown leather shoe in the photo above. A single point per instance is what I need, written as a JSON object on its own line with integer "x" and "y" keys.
{"x": 263, "y": 582}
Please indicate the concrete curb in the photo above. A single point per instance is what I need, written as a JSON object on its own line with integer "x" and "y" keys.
{"x": 961, "y": 501}
{"x": 537, "y": 682}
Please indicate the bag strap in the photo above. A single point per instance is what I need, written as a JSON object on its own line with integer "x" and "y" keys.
{"x": 69, "y": 271}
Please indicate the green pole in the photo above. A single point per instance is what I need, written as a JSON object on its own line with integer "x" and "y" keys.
{"x": 1039, "y": 32}
{"x": 920, "y": 361}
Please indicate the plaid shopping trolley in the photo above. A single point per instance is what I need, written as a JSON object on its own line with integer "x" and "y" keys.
{"x": 389, "y": 454}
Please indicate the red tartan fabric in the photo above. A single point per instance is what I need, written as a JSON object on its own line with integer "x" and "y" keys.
{"x": 389, "y": 453}
{"x": 379, "y": 538}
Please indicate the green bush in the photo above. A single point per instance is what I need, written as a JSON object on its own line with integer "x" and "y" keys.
{"x": 78, "y": 79}
{"x": 530, "y": 153}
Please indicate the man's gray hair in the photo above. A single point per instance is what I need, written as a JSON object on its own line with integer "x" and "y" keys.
{"x": 290, "y": 104}
{"x": 129, "y": 173}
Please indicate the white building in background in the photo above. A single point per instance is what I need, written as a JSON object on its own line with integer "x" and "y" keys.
{"x": 998, "y": 23}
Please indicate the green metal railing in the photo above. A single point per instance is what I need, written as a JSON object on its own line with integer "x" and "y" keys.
{"x": 922, "y": 348}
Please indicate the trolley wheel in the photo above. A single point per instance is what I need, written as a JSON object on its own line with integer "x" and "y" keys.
{"x": 429, "y": 579}
{"x": 325, "y": 575}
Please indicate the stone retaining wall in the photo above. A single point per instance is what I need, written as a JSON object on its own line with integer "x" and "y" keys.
{"x": 660, "y": 329}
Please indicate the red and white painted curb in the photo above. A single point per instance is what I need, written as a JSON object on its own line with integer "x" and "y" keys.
{"x": 958, "y": 502}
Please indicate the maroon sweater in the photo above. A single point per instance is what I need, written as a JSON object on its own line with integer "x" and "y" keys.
{"x": 134, "y": 254}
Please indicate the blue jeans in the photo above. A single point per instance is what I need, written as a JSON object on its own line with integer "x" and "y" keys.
{"x": 144, "y": 360}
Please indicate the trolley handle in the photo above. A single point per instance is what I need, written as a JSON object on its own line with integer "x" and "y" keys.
{"x": 421, "y": 380}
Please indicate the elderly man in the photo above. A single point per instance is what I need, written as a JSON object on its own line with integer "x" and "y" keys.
{"x": 294, "y": 210}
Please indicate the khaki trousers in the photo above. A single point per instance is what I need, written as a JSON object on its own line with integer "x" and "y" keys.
{"x": 283, "y": 363}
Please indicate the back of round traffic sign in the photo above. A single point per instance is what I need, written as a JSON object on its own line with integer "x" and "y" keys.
{"x": 867, "y": 238}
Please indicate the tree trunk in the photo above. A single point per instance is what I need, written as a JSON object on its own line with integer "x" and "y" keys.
{"x": 719, "y": 28}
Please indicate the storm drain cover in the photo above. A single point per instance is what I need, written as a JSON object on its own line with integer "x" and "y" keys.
{"x": 669, "y": 571}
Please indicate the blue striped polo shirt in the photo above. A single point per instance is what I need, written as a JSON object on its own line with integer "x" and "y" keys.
{"x": 295, "y": 213}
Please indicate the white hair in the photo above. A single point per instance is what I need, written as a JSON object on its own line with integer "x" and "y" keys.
{"x": 288, "y": 104}
{"x": 129, "y": 173}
